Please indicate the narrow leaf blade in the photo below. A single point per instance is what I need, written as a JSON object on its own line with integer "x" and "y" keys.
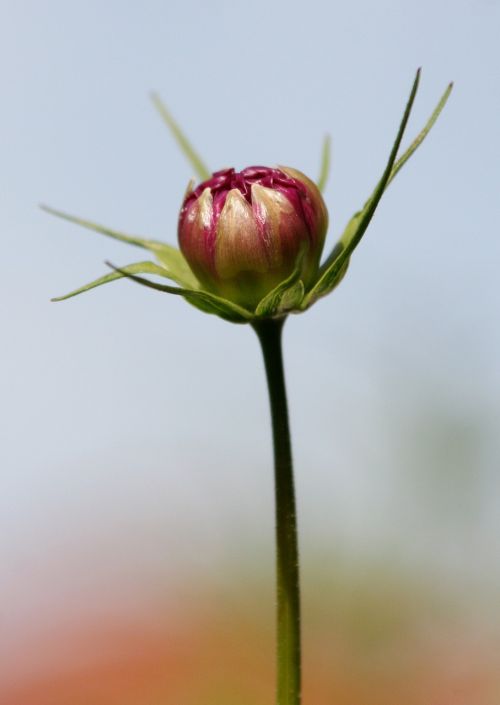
{"x": 333, "y": 266}
{"x": 270, "y": 305}
{"x": 314, "y": 294}
{"x": 103, "y": 229}
{"x": 292, "y": 298}
{"x": 422, "y": 134}
{"x": 169, "y": 257}
{"x": 136, "y": 268}
{"x": 186, "y": 147}
{"x": 325, "y": 163}
{"x": 210, "y": 303}
{"x": 355, "y": 220}
{"x": 217, "y": 306}
{"x": 176, "y": 265}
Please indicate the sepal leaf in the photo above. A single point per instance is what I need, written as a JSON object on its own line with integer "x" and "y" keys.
{"x": 286, "y": 295}
{"x": 136, "y": 268}
{"x": 292, "y": 298}
{"x": 204, "y": 300}
{"x": 185, "y": 145}
{"x": 169, "y": 257}
{"x": 308, "y": 300}
{"x": 333, "y": 268}
{"x": 422, "y": 134}
{"x": 176, "y": 265}
{"x": 325, "y": 163}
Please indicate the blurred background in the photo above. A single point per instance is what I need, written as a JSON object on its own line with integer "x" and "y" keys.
{"x": 136, "y": 510}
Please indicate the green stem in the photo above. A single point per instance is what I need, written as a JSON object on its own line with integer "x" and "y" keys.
{"x": 287, "y": 559}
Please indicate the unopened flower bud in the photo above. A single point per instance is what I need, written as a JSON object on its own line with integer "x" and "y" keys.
{"x": 242, "y": 232}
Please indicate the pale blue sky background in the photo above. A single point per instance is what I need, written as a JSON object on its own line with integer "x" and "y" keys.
{"x": 134, "y": 429}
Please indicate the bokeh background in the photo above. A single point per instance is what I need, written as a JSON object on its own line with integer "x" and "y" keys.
{"x": 136, "y": 523}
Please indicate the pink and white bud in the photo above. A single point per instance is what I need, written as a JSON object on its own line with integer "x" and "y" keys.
{"x": 242, "y": 232}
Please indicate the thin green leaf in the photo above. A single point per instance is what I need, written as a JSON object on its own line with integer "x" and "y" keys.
{"x": 292, "y": 298}
{"x": 218, "y": 307}
{"x": 189, "y": 152}
{"x": 104, "y": 230}
{"x": 175, "y": 263}
{"x": 309, "y": 300}
{"x": 325, "y": 163}
{"x": 357, "y": 226}
{"x": 170, "y": 258}
{"x": 210, "y": 303}
{"x": 421, "y": 135}
{"x": 270, "y": 305}
{"x": 137, "y": 268}
{"x": 353, "y": 223}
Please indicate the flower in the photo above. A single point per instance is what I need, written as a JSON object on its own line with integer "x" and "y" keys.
{"x": 242, "y": 232}
{"x": 251, "y": 241}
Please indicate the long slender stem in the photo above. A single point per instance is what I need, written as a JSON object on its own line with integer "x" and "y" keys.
{"x": 287, "y": 558}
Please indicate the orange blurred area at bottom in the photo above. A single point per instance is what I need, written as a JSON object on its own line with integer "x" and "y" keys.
{"x": 217, "y": 657}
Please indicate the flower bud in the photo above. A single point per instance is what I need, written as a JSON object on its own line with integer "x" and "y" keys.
{"x": 242, "y": 232}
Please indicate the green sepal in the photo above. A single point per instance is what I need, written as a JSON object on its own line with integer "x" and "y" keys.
{"x": 422, "y": 134}
{"x": 176, "y": 264}
{"x": 292, "y": 298}
{"x": 334, "y": 267}
{"x": 325, "y": 163}
{"x": 286, "y": 295}
{"x": 204, "y": 300}
{"x": 216, "y": 305}
{"x": 309, "y": 300}
{"x": 136, "y": 268}
{"x": 182, "y": 141}
{"x": 171, "y": 259}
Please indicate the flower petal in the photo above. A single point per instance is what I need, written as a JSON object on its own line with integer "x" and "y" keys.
{"x": 239, "y": 246}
